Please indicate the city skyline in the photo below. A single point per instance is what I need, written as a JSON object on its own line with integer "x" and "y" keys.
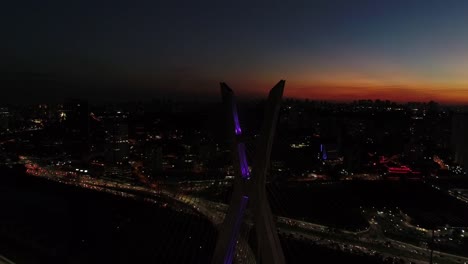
{"x": 121, "y": 141}
{"x": 326, "y": 50}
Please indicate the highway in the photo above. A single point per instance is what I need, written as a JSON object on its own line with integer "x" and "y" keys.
{"x": 370, "y": 241}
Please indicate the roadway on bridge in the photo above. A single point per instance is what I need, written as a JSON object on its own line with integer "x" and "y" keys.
{"x": 4, "y": 260}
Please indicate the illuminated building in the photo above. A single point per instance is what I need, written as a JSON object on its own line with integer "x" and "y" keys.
{"x": 402, "y": 173}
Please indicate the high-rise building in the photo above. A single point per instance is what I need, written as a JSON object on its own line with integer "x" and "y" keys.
{"x": 116, "y": 138}
{"x": 352, "y": 157}
{"x": 116, "y": 145}
{"x": 156, "y": 160}
{"x": 137, "y": 135}
{"x": 4, "y": 118}
{"x": 460, "y": 138}
{"x": 75, "y": 115}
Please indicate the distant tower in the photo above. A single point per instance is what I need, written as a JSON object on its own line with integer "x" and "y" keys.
{"x": 249, "y": 187}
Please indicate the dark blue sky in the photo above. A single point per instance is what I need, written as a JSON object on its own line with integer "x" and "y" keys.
{"x": 324, "y": 49}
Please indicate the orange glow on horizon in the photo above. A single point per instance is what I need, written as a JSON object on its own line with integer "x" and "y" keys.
{"x": 449, "y": 94}
{"x": 392, "y": 93}
{"x": 362, "y": 77}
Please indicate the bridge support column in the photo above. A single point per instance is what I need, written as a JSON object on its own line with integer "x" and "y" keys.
{"x": 250, "y": 191}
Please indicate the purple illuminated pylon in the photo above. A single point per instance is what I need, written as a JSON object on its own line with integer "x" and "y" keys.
{"x": 249, "y": 188}
{"x": 244, "y": 166}
{"x": 228, "y": 97}
{"x": 232, "y": 243}
{"x": 324, "y": 152}
{"x": 237, "y": 128}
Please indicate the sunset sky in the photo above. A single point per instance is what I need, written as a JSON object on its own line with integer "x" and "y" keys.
{"x": 333, "y": 50}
